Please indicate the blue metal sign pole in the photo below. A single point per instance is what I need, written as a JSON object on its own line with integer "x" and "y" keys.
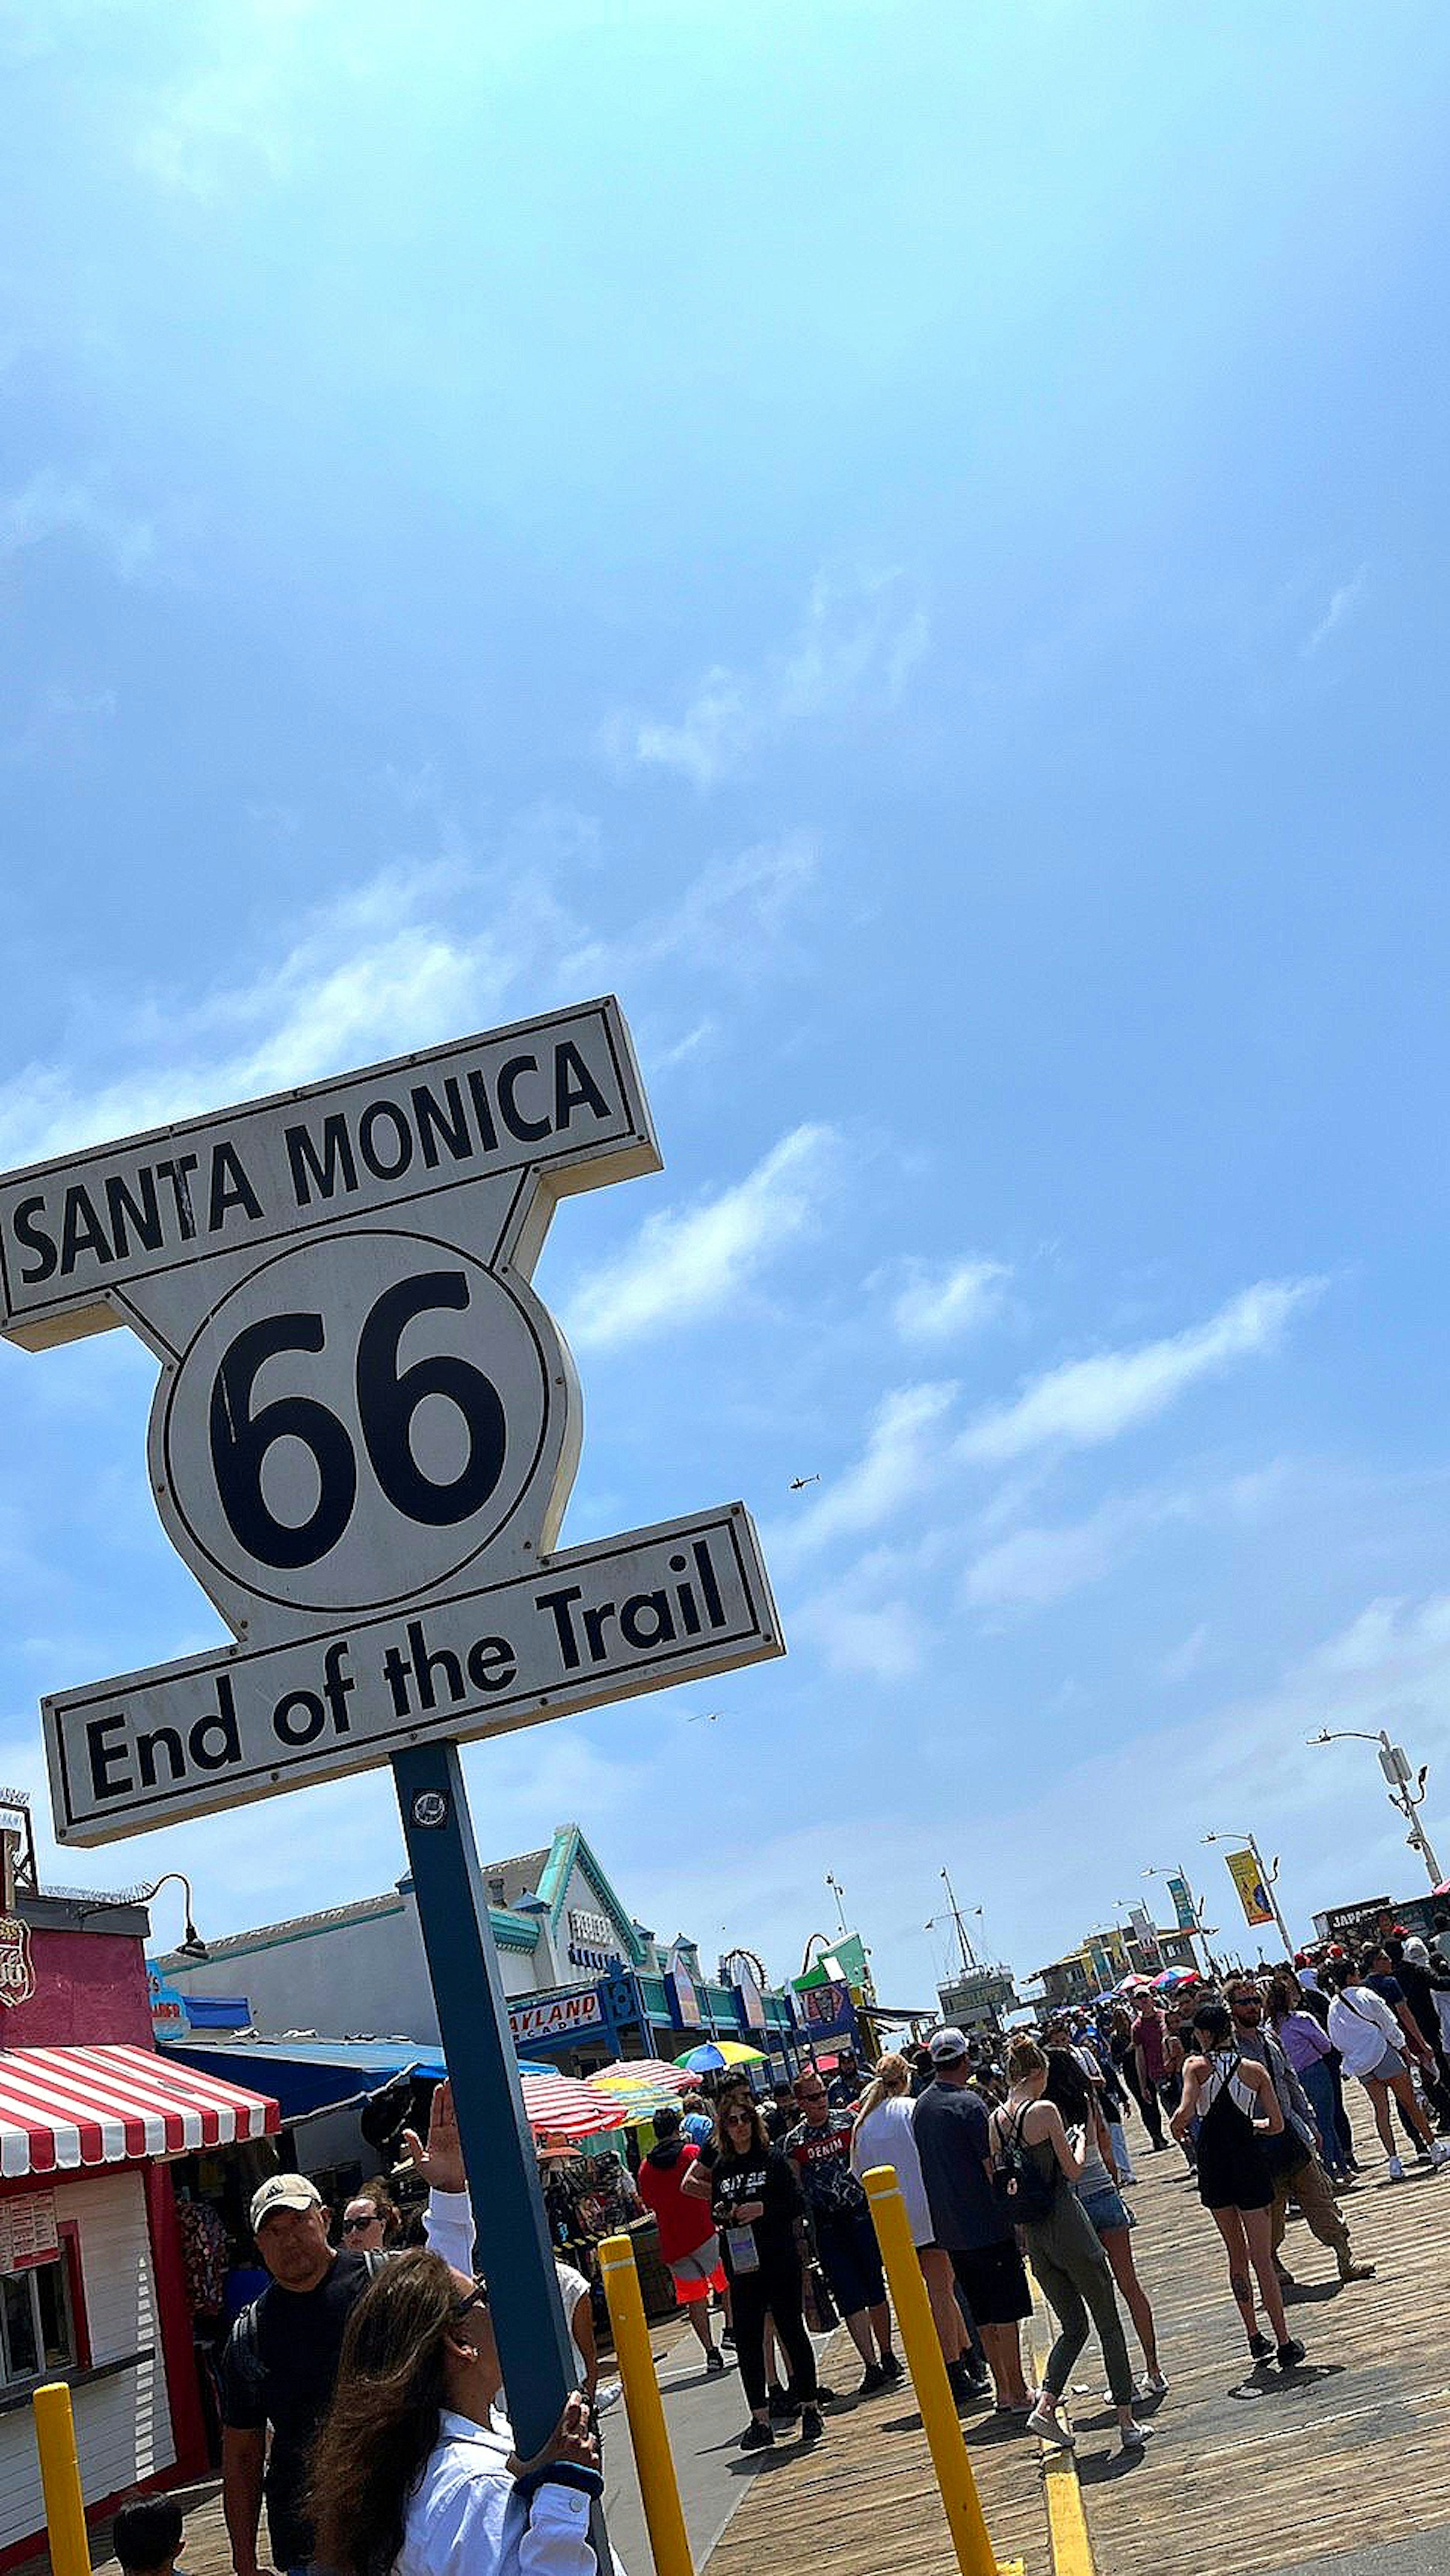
{"x": 534, "y": 2344}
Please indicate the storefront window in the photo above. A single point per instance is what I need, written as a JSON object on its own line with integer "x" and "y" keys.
{"x": 37, "y": 2332}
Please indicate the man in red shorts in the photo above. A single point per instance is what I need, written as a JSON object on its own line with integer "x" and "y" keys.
{"x": 688, "y": 2242}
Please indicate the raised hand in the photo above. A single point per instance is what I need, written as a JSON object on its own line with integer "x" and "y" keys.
{"x": 441, "y": 2162}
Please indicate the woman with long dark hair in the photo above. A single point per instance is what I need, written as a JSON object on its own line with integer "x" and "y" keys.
{"x": 1103, "y": 2203}
{"x": 1236, "y": 2106}
{"x": 408, "y": 2476}
{"x": 756, "y": 2204}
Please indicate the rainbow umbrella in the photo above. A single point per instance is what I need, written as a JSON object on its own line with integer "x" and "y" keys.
{"x": 716, "y": 2053}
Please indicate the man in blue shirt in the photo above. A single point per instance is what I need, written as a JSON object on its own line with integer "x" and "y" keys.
{"x": 953, "y": 2143}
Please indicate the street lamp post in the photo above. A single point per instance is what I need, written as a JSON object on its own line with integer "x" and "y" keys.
{"x": 1267, "y": 1881}
{"x": 1406, "y": 1787}
{"x": 191, "y": 1944}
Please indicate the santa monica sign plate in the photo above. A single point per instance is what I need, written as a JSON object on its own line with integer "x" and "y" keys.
{"x": 366, "y": 1424}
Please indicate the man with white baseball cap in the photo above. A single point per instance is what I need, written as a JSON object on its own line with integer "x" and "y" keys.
{"x": 954, "y": 2145}
{"x": 280, "y": 2367}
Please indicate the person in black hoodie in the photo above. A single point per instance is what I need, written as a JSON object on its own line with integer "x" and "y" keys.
{"x": 688, "y": 2242}
{"x": 756, "y": 2204}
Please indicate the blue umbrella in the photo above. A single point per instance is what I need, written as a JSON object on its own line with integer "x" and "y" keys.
{"x": 709, "y": 2060}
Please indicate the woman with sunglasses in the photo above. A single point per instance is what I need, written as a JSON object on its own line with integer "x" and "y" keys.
{"x": 756, "y": 2204}
{"x": 371, "y": 2221}
{"x": 411, "y": 2475}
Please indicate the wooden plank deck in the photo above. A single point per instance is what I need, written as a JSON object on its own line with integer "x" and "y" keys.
{"x": 865, "y": 2502}
{"x": 1258, "y": 2472}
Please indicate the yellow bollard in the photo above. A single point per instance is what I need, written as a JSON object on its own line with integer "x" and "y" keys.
{"x": 60, "y": 2477}
{"x": 668, "y": 2539}
{"x": 975, "y": 2554}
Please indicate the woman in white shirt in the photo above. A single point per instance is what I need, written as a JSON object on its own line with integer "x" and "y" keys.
{"x": 883, "y": 2135}
{"x": 409, "y": 2475}
{"x": 1370, "y": 2041}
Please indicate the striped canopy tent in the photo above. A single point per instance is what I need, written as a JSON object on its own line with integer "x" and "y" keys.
{"x": 557, "y": 2107}
{"x": 644, "y": 2078}
{"x": 65, "y": 2110}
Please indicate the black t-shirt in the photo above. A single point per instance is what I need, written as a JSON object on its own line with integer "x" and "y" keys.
{"x": 1421, "y": 1985}
{"x": 769, "y": 2178}
{"x": 280, "y": 2368}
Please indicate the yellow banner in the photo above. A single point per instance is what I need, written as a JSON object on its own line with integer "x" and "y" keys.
{"x": 1243, "y": 1869}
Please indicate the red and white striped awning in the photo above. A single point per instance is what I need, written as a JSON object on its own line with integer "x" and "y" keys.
{"x": 558, "y": 2107}
{"x": 62, "y": 2109}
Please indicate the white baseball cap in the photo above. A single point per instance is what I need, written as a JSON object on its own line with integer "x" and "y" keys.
{"x": 283, "y": 2191}
{"x": 945, "y": 2045}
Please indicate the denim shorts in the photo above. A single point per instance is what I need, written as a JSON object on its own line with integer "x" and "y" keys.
{"x": 1106, "y": 2208}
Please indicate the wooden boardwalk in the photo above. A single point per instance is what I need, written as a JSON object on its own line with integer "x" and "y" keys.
{"x": 866, "y": 2503}
{"x": 1246, "y": 2473}
{"x": 1254, "y": 2471}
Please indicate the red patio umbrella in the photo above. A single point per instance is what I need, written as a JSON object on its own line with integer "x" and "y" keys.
{"x": 558, "y": 2107}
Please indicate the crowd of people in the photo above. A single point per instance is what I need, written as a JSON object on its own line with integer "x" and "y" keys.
{"x": 361, "y": 2390}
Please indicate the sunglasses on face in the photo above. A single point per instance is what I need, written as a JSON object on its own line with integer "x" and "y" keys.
{"x": 477, "y": 2298}
{"x": 354, "y": 2226}
{"x": 813, "y": 2093}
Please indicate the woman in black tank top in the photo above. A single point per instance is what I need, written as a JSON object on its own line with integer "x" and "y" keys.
{"x": 1234, "y": 2100}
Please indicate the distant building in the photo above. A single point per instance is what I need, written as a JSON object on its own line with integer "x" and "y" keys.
{"x": 584, "y": 1980}
{"x": 1104, "y": 1959}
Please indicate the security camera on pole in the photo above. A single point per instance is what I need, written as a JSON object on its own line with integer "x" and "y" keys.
{"x": 365, "y": 1430}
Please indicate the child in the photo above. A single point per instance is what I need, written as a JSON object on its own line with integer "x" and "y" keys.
{"x": 147, "y": 2537}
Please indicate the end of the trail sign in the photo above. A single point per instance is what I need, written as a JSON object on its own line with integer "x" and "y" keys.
{"x": 597, "y": 1623}
{"x": 366, "y": 1423}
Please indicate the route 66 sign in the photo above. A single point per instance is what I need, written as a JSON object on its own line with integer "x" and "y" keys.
{"x": 366, "y": 1424}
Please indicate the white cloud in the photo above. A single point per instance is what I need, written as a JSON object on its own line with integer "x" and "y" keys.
{"x": 902, "y": 1459}
{"x": 1088, "y": 1401}
{"x": 858, "y": 644}
{"x": 400, "y": 962}
{"x": 52, "y": 504}
{"x": 1343, "y": 604}
{"x": 1037, "y": 1566}
{"x": 1184, "y": 1659}
{"x": 885, "y": 1640}
{"x": 686, "y": 1263}
{"x": 938, "y": 1301}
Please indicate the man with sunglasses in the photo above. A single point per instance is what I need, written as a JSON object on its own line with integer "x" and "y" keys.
{"x": 1297, "y": 2170}
{"x": 280, "y": 2367}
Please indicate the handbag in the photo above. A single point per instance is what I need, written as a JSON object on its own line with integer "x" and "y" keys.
{"x": 821, "y": 2312}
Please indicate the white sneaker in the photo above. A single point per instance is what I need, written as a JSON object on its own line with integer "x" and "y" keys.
{"x": 1050, "y": 2428}
{"x": 1397, "y": 2170}
{"x": 1131, "y": 2437}
{"x": 1440, "y": 2153}
{"x": 1153, "y": 2384}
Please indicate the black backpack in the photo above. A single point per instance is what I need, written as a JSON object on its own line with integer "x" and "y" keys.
{"x": 1023, "y": 2191}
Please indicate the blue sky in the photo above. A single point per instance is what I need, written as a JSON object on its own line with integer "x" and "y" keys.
{"x": 912, "y": 545}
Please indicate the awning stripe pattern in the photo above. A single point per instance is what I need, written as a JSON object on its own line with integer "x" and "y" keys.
{"x": 558, "y": 2107}
{"x": 63, "y": 2109}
